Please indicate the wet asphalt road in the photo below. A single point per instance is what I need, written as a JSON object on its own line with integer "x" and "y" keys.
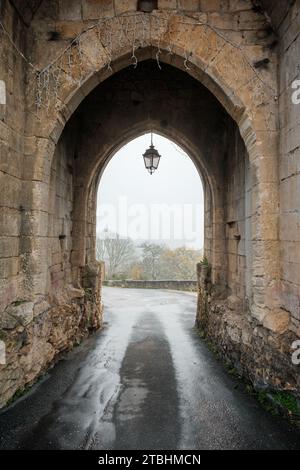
{"x": 146, "y": 381}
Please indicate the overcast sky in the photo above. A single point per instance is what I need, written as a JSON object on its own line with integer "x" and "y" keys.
{"x": 165, "y": 207}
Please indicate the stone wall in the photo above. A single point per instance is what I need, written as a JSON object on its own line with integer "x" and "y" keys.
{"x": 257, "y": 353}
{"x": 12, "y": 123}
{"x": 290, "y": 166}
{"x": 36, "y": 332}
{"x": 237, "y": 231}
{"x": 58, "y": 240}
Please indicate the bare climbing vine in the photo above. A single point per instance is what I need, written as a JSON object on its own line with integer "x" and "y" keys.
{"x": 135, "y": 30}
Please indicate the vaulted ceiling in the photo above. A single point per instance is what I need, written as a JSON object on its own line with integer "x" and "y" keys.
{"x": 275, "y": 9}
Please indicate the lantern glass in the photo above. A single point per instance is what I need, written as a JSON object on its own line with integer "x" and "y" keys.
{"x": 155, "y": 162}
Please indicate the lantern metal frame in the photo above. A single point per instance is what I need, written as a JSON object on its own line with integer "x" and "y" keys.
{"x": 151, "y": 158}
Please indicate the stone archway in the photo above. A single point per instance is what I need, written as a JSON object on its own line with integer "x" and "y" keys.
{"x": 225, "y": 69}
{"x": 117, "y": 127}
{"x": 248, "y": 103}
{"x": 113, "y": 114}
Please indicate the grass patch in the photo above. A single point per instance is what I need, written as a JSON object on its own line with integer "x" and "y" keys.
{"x": 289, "y": 402}
{"x": 18, "y": 394}
{"x": 280, "y": 403}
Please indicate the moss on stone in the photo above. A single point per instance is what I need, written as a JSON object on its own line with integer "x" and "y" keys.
{"x": 278, "y": 403}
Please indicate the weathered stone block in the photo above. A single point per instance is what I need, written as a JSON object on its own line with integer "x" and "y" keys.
{"x": 10, "y": 191}
{"x": 70, "y": 10}
{"x": 210, "y": 5}
{"x": 123, "y": 6}
{"x": 93, "y": 9}
{"x": 9, "y": 267}
{"x": 259, "y": 313}
{"x": 41, "y": 307}
{"x": 17, "y": 314}
{"x": 189, "y": 5}
{"x": 9, "y": 247}
{"x": 167, "y": 4}
{"x": 277, "y": 321}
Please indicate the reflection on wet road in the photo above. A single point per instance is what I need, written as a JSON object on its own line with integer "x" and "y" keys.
{"x": 146, "y": 381}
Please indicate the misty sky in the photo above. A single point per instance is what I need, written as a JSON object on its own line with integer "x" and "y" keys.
{"x": 165, "y": 207}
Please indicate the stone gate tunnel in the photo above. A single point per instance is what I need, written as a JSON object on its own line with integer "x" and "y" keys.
{"x": 80, "y": 79}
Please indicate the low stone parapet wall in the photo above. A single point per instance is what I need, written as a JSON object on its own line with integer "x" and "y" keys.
{"x": 158, "y": 284}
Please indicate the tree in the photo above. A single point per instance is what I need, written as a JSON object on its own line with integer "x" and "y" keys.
{"x": 136, "y": 272}
{"x": 180, "y": 264}
{"x": 151, "y": 259}
{"x": 117, "y": 253}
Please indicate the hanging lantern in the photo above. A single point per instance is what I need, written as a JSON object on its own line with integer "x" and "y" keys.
{"x": 151, "y": 158}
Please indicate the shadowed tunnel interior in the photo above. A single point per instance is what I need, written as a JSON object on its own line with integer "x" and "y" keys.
{"x": 172, "y": 103}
